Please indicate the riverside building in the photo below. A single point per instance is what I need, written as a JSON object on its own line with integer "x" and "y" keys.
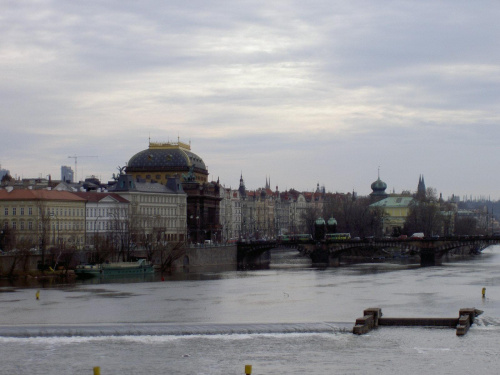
{"x": 163, "y": 162}
{"x": 41, "y": 219}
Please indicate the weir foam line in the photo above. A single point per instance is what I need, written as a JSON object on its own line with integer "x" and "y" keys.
{"x": 168, "y": 329}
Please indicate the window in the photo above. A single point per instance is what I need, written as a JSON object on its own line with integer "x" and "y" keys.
{"x": 22, "y": 211}
{"x": 13, "y": 211}
{"x": 6, "y": 211}
{"x": 30, "y": 225}
{"x": 22, "y": 225}
{"x": 30, "y": 211}
{"x": 14, "y": 225}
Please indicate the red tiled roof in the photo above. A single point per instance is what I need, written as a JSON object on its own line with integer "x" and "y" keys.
{"x": 47, "y": 195}
{"x": 97, "y": 197}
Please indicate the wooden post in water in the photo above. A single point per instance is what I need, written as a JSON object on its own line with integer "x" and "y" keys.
{"x": 369, "y": 321}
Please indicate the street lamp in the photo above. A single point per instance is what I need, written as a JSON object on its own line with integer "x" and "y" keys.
{"x": 54, "y": 232}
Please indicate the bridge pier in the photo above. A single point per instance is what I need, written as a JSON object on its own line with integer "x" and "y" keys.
{"x": 254, "y": 255}
{"x": 429, "y": 257}
{"x": 334, "y": 261}
{"x": 320, "y": 254}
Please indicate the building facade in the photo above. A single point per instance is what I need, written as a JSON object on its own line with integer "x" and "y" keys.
{"x": 157, "y": 212}
{"x": 396, "y": 209}
{"x": 106, "y": 219}
{"x": 42, "y": 219}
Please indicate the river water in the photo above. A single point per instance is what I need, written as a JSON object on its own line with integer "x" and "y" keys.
{"x": 290, "y": 318}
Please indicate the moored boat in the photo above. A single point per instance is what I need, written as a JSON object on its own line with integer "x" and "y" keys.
{"x": 141, "y": 267}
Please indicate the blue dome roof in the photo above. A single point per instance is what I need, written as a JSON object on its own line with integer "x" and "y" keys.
{"x": 167, "y": 157}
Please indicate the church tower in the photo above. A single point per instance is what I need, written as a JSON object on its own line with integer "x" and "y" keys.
{"x": 268, "y": 183}
{"x": 421, "y": 187}
{"x": 242, "y": 190}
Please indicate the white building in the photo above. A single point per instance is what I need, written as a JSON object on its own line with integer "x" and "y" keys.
{"x": 106, "y": 218}
{"x": 157, "y": 212}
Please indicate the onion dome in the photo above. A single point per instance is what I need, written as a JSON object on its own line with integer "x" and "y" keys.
{"x": 378, "y": 188}
{"x": 320, "y": 221}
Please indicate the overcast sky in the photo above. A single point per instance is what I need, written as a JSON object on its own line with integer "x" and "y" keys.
{"x": 303, "y": 92}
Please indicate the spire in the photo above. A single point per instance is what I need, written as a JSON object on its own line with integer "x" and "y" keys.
{"x": 242, "y": 189}
{"x": 421, "y": 186}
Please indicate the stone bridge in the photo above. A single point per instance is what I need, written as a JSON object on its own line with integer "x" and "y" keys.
{"x": 254, "y": 254}
{"x": 429, "y": 250}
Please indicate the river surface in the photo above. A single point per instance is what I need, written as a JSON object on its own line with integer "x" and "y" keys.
{"x": 290, "y": 318}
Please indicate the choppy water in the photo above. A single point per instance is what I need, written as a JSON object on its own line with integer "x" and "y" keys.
{"x": 288, "y": 319}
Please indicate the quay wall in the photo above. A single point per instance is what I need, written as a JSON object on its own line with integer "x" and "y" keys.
{"x": 205, "y": 256}
{"x": 23, "y": 263}
{"x": 194, "y": 256}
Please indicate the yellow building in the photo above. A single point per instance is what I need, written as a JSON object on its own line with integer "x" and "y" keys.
{"x": 36, "y": 219}
{"x": 396, "y": 210}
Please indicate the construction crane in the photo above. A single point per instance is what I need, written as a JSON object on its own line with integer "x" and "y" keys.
{"x": 76, "y": 159}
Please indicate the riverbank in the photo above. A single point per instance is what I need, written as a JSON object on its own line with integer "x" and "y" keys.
{"x": 32, "y": 278}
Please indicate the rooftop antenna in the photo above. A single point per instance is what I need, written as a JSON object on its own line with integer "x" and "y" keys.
{"x": 76, "y": 158}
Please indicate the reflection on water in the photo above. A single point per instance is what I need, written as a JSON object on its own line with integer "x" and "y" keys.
{"x": 281, "y": 259}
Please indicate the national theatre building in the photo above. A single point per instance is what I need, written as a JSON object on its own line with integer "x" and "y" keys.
{"x": 163, "y": 162}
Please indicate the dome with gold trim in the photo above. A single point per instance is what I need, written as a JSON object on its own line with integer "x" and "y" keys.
{"x": 163, "y": 160}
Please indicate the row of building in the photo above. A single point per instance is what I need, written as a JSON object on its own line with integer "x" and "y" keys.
{"x": 162, "y": 195}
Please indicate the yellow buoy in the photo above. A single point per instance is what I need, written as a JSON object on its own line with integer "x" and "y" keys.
{"x": 484, "y": 292}
{"x": 248, "y": 369}
{"x": 97, "y": 371}
{"x": 37, "y": 294}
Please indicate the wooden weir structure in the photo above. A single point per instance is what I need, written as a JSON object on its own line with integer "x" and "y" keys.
{"x": 372, "y": 318}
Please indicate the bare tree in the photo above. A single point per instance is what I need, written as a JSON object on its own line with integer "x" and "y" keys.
{"x": 424, "y": 217}
{"x": 355, "y": 216}
{"x": 466, "y": 226}
{"x": 43, "y": 229}
{"x": 308, "y": 217}
{"x": 170, "y": 253}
